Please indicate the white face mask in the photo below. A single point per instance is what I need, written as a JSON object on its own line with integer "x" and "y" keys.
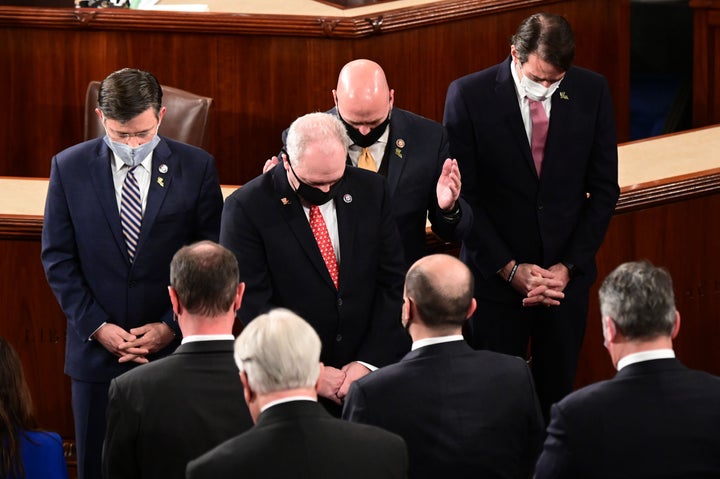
{"x": 535, "y": 91}
{"x": 129, "y": 155}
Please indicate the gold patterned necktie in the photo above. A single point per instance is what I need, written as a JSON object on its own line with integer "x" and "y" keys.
{"x": 366, "y": 160}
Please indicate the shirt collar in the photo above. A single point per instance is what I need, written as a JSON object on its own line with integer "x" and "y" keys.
{"x": 645, "y": 356}
{"x": 287, "y": 399}
{"x": 437, "y": 340}
{"x": 207, "y": 337}
{"x": 117, "y": 164}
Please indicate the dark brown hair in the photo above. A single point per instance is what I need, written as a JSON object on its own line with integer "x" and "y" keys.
{"x": 16, "y": 412}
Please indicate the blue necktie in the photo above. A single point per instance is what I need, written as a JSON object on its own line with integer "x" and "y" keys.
{"x": 131, "y": 212}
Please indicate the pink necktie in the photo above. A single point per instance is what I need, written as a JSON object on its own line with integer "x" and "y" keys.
{"x": 540, "y": 125}
{"x": 319, "y": 229}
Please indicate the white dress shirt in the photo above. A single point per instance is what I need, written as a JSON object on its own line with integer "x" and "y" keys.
{"x": 525, "y": 104}
{"x": 142, "y": 175}
{"x": 645, "y": 356}
{"x": 377, "y": 149}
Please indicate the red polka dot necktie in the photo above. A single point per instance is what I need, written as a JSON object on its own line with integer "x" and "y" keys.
{"x": 540, "y": 123}
{"x": 320, "y": 231}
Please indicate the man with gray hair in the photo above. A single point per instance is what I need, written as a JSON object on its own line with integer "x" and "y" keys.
{"x": 463, "y": 413}
{"x": 318, "y": 238}
{"x": 164, "y": 414}
{"x": 655, "y": 418}
{"x": 278, "y": 355}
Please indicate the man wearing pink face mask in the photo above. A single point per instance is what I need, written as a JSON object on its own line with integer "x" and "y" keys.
{"x": 117, "y": 210}
{"x": 536, "y": 144}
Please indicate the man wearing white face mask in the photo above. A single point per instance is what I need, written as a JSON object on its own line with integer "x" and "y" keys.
{"x": 535, "y": 140}
{"x": 117, "y": 210}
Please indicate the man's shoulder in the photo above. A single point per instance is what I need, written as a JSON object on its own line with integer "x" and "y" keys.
{"x": 80, "y": 151}
{"x": 405, "y": 117}
{"x": 147, "y": 374}
{"x": 363, "y": 434}
{"x": 485, "y": 75}
{"x": 260, "y": 185}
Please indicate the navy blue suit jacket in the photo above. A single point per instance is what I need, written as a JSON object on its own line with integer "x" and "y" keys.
{"x": 170, "y": 411}
{"x": 462, "y": 413}
{"x": 298, "y": 439}
{"x": 655, "y": 419}
{"x": 561, "y": 216}
{"x": 85, "y": 256}
{"x": 264, "y": 224}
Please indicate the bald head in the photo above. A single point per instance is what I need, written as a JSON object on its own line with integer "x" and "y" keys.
{"x": 441, "y": 289}
{"x": 362, "y": 97}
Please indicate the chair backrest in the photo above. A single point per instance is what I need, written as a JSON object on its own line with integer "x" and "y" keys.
{"x": 185, "y": 119}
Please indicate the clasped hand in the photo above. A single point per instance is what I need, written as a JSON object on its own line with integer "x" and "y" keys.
{"x": 541, "y": 286}
{"x": 136, "y": 344}
{"x": 334, "y": 383}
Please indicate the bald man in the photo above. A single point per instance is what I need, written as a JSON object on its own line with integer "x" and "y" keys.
{"x": 462, "y": 413}
{"x": 410, "y": 151}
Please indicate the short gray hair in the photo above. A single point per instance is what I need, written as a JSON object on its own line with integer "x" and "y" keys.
{"x": 314, "y": 127}
{"x": 278, "y": 351}
{"x": 639, "y": 298}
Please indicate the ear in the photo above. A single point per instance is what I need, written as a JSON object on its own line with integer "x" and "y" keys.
{"x": 99, "y": 113}
{"x": 177, "y": 308}
{"x": 239, "y": 296}
{"x": 513, "y": 53}
{"x": 406, "y": 311}
{"x": 676, "y": 325}
{"x": 334, "y": 94}
{"x": 161, "y": 115}
{"x": 472, "y": 308}
{"x": 392, "y": 97}
{"x": 247, "y": 391}
{"x": 609, "y": 330}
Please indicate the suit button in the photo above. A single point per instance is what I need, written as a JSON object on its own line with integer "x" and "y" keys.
{"x": 540, "y": 207}
{"x": 338, "y": 338}
{"x": 339, "y": 301}
{"x": 132, "y": 284}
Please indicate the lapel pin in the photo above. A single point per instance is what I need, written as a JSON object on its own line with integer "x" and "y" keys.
{"x": 398, "y": 152}
{"x": 400, "y": 143}
{"x": 161, "y": 181}
{"x": 564, "y": 96}
{"x": 347, "y": 198}
{"x": 285, "y": 201}
{"x": 163, "y": 168}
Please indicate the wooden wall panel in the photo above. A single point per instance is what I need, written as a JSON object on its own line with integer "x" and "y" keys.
{"x": 682, "y": 237}
{"x": 34, "y": 324}
{"x": 261, "y": 72}
{"x": 706, "y": 67}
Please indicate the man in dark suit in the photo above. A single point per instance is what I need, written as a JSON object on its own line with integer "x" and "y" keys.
{"x": 318, "y": 237}
{"x": 410, "y": 151}
{"x": 462, "y": 413}
{"x": 655, "y": 418}
{"x": 117, "y": 209}
{"x": 535, "y": 140}
{"x": 162, "y": 415}
{"x": 278, "y": 357}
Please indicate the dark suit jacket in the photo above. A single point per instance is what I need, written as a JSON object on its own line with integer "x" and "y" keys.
{"x": 654, "y": 419}
{"x": 169, "y": 411}
{"x": 300, "y": 440}
{"x": 412, "y": 163}
{"x": 415, "y": 153}
{"x": 264, "y": 224}
{"x": 462, "y": 413}
{"x": 563, "y": 215}
{"x": 85, "y": 256}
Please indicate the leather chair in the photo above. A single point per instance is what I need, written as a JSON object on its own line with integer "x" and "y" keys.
{"x": 185, "y": 119}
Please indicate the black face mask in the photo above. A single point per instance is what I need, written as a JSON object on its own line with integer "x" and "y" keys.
{"x": 314, "y": 195}
{"x": 361, "y": 140}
